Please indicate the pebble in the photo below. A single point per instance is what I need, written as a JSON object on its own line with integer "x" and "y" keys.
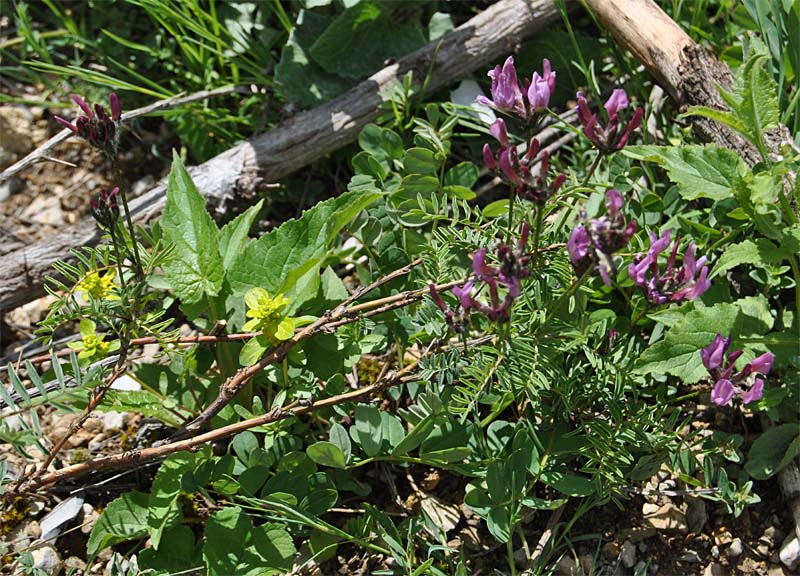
{"x": 640, "y": 568}
{"x": 762, "y": 550}
{"x": 736, "y": 548}
{"x": 628, "y": 554}
{"x": 648, "y": 508}
{"x": 771, "y": 536}
{"x": 89, "y": 518}
{"x": 669, "y": 518}
{"x": 75, "y": 564}
{"x": 691, "y": 556}
{"x": 722, "y": 538}
{"x": 113, "y": 421}
{"x": 567, "y": 566}
{"x": 715, "y": 552}
{"x": 33, "y": 529}
{"x": 714, "y": 569}
{"x": 47, "y": 559}
{"x": 790, "y": 552}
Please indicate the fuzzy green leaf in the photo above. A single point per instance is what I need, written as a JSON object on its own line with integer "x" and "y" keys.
{"x": 163, "y": 510}
{"x": 286, "y": 260}
{"x": 759, "y": 253}
{"x": 773, "y": 450}
{"x": 708, "y": 171}
{"x": 195, "y": 269}
{"x": 362, "y": 38}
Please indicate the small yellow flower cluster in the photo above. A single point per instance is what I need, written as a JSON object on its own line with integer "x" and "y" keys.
{"x": 92, "y": 346}
{"x": 268, "y": 315}
{"x": 98, "y": 287}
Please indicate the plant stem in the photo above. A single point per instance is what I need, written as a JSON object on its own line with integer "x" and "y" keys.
{"x": 121, "y": 183}
{"x": 511, "y": 198}
{"x": 510, "y": 554}
{"x": 537, "y": 231}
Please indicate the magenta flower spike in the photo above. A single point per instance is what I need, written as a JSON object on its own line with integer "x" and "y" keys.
{"x": 96, "y": 126}
{"x": 727, "y": 384}
{"x": 614, "y": 135}
{"x": 687, "y": 282}
{"x": 506, "y": 95}
{"x": 594, "y": 241}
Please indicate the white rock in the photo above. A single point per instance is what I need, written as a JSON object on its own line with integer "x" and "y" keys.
{"x": 691, "y": 556}
{"x": 649, "y": 508}
{"x": 47, "y": 559}
{"x": 63, "y": 513}
{"x": 126, "y": 382}
{"x": 714, "y": 569}
{"x": 790, "y": 552}
{"x": 736, "y": 548}
{"x": 113, "y": 421}
{"x": 628, "y": 554}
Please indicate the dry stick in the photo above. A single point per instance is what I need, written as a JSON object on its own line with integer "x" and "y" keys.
{"x": 41, "y": 153}
{"x": 302, "y": 139}
{"x": 130, "y": 457}
{"x": 546, "y": 535}
{"x": 232, "y": 385}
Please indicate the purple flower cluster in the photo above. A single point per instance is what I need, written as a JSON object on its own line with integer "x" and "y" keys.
{"x": 105, "y": 207}
{"x": 509, "y": 97}
{"x": 96, "y": 126}
{"x": 513, "y": 266}
{"x": 612, "y": 136}
{"x": 726, "y": 383}
{"x": 688, "y": 282}
{"x": 518, "y": 171}
{"x": 592, "y": 243}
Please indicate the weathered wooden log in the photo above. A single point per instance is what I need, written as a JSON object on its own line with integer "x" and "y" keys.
{"x": 300, "y": 140}
{"x": 688, "y": 73}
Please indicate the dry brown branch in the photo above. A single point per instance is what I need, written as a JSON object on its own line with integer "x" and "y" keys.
{"x": 300, "y": 140}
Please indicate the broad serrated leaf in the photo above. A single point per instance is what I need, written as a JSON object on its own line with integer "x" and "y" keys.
{"x": 195, "y": 267}
{"x": 678, "y": 353}
{"x": 286, "y": 260}
{"x": 233, "y": 236}
{"x": 299, "y": 77}
{"x": 362, "y": 38}
{"x": 123, "y": 519}
{"x": 759, "y": 253}
{"x": 708, "y": 171}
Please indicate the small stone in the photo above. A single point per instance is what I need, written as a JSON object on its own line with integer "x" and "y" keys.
{"x": 723, "y": 537}
{"x": 33, "y": 529}
{"x": 667, "y": 485}
{"x": 643, "y": 547}
{"x": 715, "y": 552}
{"x": 75, "y": 564}
{"x": 696, "y": 514}
{"x": 771, "y": 536}
{"x": 691, "y": 557}
{"x": 714, "y": 569}
{"x": 610, "y": 551}
{"x": 736, "y": 548}
{"x": 89, "y": 519}
{"x": 628, "y": 554}
{"x": 790, "y": 552}
{"x": 47, "y": 559}
{"x": 649, "y": 508}
{"x": 778, "y": 570}
{"x": 668, "y": 518}
{"x": 113, "y": 421}
{"x": 640, "y": 568}
{"x": 762, "y": 550}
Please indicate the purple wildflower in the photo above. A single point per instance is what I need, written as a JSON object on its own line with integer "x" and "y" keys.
{"x": 96, "y": 126}
{"x": 513, "y": 266}
{"x": 613, "y": 136}
{"x": 728, "y": 385}
{"x": 105, "y": 207}
{"x": 592, "y": 243}
{"x": 688, "y": 282}
{"x": 509, "y": 97}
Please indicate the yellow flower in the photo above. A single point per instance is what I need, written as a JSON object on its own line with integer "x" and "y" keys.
{"x": 92, "y": 346}
{"x": 268, "y": 315}
{"x": 99, "y": 287}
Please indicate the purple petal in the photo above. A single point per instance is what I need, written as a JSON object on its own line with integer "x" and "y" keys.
{"x": 578, "y": 243}
{"x": 82, "y": 105}
{"x": 755, "y": 393}
{"x": 498, "y": 130}
{"x": 479, "y": 263}
{"x": 66, "y": 124}
{"x": 116, "y": 108}
{"x": 616, "y": 102}
{"x": 714, "y": 353}
{"x": 463, "y": 294}
{"x": 723, "y": 392}
{"x": 488, "y": 158}
{"x": 762, "y": 364}
{"x": 613, "y": 202}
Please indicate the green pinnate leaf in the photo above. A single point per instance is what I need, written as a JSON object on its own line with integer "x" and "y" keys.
{"x": 195, "y": 269}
